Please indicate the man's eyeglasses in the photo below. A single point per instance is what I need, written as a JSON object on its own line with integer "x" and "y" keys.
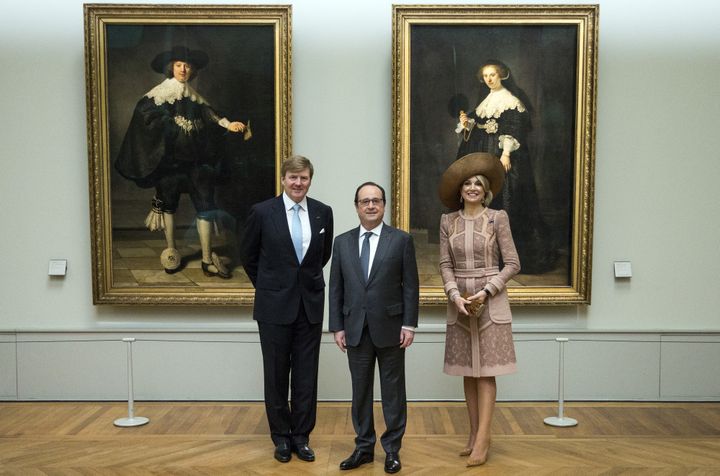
{"x": 367, "y": 201}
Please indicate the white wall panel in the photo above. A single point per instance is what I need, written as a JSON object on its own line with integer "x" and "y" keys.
{"x": 612, "y": 367}
{"x": 228, "y": 366}
{"x": 690, "y": 367}
{"x": 187, "y": 370}
{"x": 8, "y": 367}
{"x": 536, "y": 378}
{"x": 71, "y": 369}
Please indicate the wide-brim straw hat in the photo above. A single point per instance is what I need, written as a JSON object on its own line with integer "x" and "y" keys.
{"x": 477, "y": 163}
{"x": 199, "y": 59}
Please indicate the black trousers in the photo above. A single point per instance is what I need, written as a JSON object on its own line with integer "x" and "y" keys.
{"x": 290, "y": 362}
{"x": 391, "y": 361}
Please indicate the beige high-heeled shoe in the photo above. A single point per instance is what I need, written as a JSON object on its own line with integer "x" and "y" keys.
{"x": 479, "y": 461}
{"x": 476, "y": 462}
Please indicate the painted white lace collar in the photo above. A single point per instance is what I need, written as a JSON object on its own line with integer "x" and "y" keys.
{"x": 172, "y": 90}
{"x": 498, "y": 102}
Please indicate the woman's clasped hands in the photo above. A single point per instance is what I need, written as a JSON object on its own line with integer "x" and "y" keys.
{"x": 461, "y": 302}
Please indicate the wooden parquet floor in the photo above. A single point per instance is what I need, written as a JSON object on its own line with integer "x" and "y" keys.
{"x": 209, "y": 438}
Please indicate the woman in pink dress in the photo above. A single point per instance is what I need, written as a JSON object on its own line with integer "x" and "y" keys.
{"x": 477, "y": 259}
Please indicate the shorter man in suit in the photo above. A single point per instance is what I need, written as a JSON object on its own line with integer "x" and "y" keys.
{"x": 287, "y": 241}
{"x": 374, "y": 296}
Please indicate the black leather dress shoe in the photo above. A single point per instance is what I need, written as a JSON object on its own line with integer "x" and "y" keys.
{"x": 304, "y": 452}
{"x": 356, "y": 459}
{"x": 392, "y": 463}
{"x": 282, "y": 452}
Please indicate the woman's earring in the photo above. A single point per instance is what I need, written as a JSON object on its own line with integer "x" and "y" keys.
{"x": 462, "y": 200}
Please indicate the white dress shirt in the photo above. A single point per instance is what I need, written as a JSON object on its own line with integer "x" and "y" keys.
{"x": 374, "y": 240}
{"x": 304, "y": 220}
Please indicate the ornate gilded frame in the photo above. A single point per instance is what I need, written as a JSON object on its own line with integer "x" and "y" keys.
{"x": 249, "y": 73}
{"x": 446, "y": 43}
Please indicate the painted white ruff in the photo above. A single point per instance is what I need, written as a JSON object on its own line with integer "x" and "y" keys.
{"x": 172, "y": 90}
{"x": 498, "y": 102}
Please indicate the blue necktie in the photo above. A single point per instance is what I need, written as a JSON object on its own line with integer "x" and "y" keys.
{"x": 296, "y": 232}
{"x": 365, "y": 255}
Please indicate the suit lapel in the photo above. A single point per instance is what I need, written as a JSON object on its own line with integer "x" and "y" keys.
{"x": 383, "y": 245}
{"x": 316, "y": 225}
{"x": 354, "y": 250}
{"x": 279, "y": 217}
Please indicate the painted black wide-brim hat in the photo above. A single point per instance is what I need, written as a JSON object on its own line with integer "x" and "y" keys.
{"x": 477, "y": 163}
{"x": 198, "y": 59}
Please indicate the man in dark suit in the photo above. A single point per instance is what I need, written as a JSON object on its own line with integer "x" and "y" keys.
{"x": 287, "y": 241}
{"x": 374, "y": 296}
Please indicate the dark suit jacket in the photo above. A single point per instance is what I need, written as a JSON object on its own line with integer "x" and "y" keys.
{"x": 388, "y": 301}
{"x": 269, "y": 259}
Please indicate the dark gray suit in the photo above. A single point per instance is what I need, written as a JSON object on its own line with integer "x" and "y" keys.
{"x": 372, "y": 314}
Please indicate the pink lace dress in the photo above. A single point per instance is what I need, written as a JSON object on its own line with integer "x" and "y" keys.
{"x": 470, "y": 253}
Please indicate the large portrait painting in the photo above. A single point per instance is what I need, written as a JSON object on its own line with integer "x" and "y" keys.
{"x": 540, "y": 64}
{"x": 188, "y": 120}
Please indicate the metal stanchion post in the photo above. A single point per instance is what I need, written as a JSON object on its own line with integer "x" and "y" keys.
{"x": 131, "y": 419}
{"x": 561, "y": 420}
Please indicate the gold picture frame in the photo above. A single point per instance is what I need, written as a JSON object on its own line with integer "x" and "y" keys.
{"x": 188, "y": 161}
{"x": 550, "y": 52}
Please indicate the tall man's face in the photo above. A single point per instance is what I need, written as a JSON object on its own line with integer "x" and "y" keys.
{"x": 370, "y": 206}
{"x": 296, "y": 184}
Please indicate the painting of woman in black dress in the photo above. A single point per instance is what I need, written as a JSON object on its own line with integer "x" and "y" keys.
{"x": 516, "y": 82}
{"x": 509, "y": 91}
{"x": 499, "y": 125}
